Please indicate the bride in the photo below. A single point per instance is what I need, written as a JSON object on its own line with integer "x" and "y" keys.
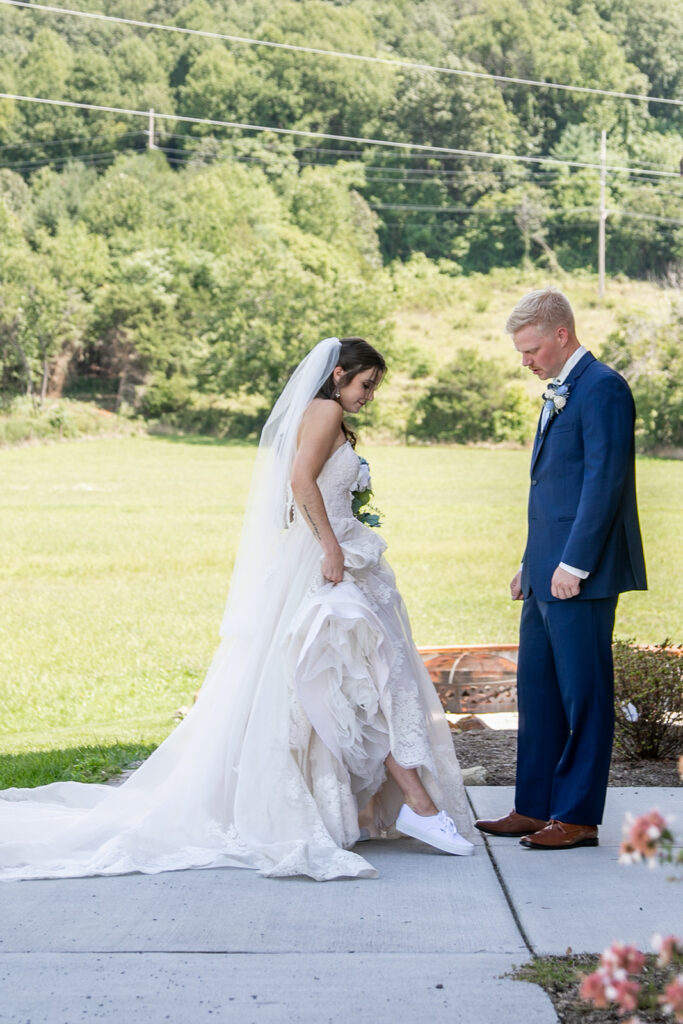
{"x": 317, "y": 725}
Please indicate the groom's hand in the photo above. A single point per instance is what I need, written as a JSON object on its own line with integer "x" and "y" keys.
{"x": 516, "y": 587}
{"x": 564, "y": 584}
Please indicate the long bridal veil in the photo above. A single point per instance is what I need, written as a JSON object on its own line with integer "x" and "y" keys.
{"x": 258, "y": 563}
{"x": 243, "y": 781}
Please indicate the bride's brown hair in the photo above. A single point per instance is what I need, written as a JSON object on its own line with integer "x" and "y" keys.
{"x": 356, "y": 355}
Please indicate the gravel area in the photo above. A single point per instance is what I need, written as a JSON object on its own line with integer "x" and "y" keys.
{"x": 496, "y": 751}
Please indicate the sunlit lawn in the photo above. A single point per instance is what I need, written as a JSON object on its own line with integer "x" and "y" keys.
{"x": 116, "y": 556}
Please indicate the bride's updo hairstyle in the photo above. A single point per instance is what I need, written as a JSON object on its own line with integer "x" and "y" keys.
{"x": 355, "y": 356}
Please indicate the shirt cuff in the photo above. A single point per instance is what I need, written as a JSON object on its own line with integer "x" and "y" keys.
{"x": 581, "y": 573}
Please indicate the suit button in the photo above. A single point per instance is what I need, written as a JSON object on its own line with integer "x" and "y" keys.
{"x": 534, "y": 482}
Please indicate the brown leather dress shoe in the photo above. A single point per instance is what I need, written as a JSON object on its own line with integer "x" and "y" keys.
{"x": 512, "y": 824}
{"x": 560, "y": 835}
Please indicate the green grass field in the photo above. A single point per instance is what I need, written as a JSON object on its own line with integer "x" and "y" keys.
{"x": 116, "y": 559}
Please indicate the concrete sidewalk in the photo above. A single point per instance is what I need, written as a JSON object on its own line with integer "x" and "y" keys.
{"x": 431, "y": 939}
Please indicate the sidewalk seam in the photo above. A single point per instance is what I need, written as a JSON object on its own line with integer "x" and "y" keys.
{"x": 504, "y": 889}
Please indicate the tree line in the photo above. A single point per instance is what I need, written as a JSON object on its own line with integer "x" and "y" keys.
{"x": 481, "y": 213}
{"x": 205, "y": 268}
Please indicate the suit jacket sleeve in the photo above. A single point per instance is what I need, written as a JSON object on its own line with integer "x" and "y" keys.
{"x": 607, "y": 418}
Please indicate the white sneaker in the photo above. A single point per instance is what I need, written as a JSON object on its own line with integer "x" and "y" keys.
{"x": 436, "y": 830}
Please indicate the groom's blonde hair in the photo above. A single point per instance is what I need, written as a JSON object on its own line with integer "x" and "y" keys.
{"x": 545, "y": 308}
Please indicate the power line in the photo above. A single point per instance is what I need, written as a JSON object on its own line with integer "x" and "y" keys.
{"x": 468, "y": 210}
{"x": 461, "y": 155}
{"x": 66, "y": 142}
{"x": 477, "y": 211}
{"x": 342, "y": 55}
{"x": 647, "y": 216}
{"x": 440, "y": 209}
{"x": 302, "y": 133}
{"x": 398, "y": 173}
{"x": 184, "y": 156}
{"x": 87, "y": 158}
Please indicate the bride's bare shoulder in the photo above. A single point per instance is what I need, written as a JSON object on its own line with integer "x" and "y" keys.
{"x": 322, "y": 414}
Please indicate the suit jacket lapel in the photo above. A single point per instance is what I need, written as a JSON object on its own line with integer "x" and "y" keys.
{"x": 571, "y": 380}
{"x": 538, "y": 443}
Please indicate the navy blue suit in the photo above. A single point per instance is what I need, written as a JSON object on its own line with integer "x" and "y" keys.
{"x": 583, "y": 512}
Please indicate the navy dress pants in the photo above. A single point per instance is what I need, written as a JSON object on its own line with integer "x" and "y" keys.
{"x": 565, "y": 693}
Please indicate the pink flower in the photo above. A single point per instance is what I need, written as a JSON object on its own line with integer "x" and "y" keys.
{"x": 593, "y": 989}
{"x": 611, "y": 982}
{"x": 642, "y": 836}
{"x": 625, "y": 994}
{"x": 672, "y": 1000}
{"x": 621, "y": 956}
{"x": 667, "y": 948}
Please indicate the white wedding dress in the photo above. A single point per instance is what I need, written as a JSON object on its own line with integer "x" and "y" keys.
{"x": 286, "y": 743}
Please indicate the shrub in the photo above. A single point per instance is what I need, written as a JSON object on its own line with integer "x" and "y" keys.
{"x": 20, "y": 423}
{"x": 468, "y": 402}
{"x": 648, "y": 351}
{"x": 517, "y": 416}
{"x": 166, "y": 395}
{"x": 648, "y": 698}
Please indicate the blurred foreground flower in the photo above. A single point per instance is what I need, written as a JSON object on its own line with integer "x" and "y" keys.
{"x": 667, "y": 949}
{"x": 611, "y": 982}
{"x": 672, "y": 1000}
{"x": 646, "y": 838}
{"x": 614, "y": 983}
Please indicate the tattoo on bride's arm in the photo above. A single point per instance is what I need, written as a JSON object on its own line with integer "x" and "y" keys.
{"x": 312, "y": 522}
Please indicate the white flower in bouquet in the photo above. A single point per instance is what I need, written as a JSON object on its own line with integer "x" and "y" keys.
{"x": 363, "y": 481}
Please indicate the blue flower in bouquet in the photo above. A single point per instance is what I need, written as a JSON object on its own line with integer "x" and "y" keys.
{"x": 361, "y": 504}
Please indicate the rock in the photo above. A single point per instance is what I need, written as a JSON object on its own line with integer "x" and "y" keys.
{"x": 469, "y": 722}
{"x": 475, "y": 776}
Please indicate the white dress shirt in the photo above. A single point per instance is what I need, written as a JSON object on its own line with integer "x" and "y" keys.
{"x": 561, "y": 378}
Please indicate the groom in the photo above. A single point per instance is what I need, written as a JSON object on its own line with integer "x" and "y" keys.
{"x": 583, "y": 549}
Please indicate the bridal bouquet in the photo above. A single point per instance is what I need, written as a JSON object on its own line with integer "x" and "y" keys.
{"x": 361, "y": 505}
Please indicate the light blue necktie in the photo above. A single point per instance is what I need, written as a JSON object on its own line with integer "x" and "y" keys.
{"x": 548, "y": 405}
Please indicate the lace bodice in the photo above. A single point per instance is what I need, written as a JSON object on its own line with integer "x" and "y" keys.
{"x": 337, "y": 480}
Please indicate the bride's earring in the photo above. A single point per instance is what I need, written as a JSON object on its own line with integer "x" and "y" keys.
{"x": 337, "y": 394}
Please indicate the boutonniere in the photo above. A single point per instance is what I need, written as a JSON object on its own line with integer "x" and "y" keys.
{"x": 555, "y": 398}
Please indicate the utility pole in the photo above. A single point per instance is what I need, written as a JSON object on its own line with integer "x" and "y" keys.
{"x": 150, "y": 130}
{"x": 603, "y": 214}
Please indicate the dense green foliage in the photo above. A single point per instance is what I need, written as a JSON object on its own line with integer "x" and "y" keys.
{"x": 469, "y": 402}
{"x": 648, "y": 351}
{"x": 203, "y": 281}
{"x": 648, "y": 699}
{"x": 186, "y": 281}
